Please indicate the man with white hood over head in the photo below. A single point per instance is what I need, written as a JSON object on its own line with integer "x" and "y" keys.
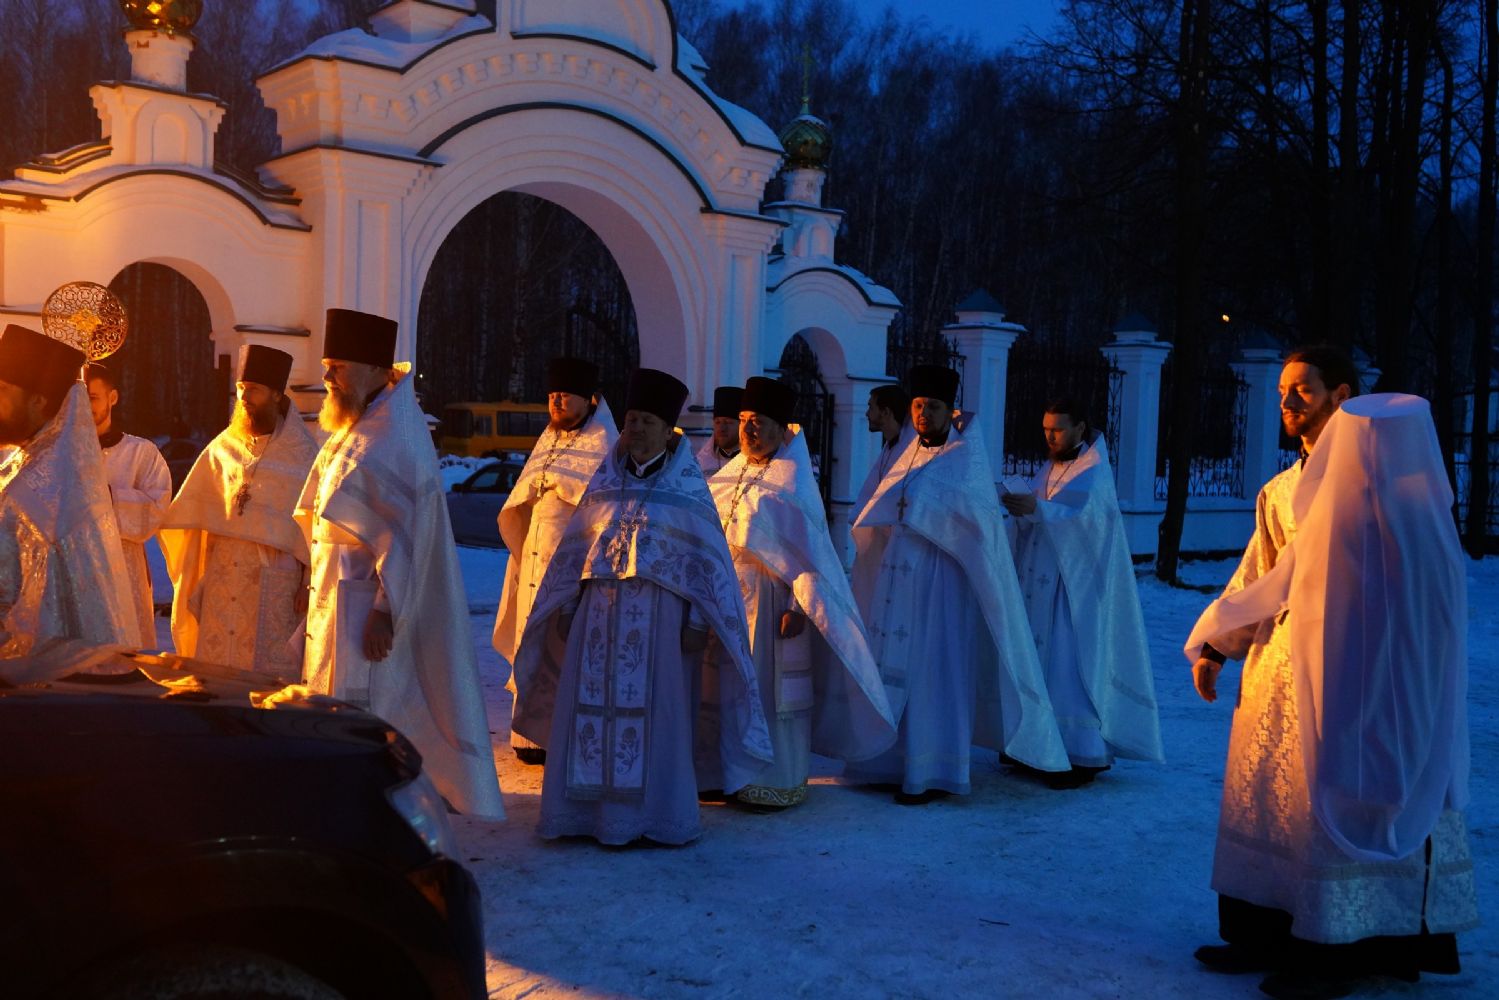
{"x": 1079, "y": 585}
{"x": 936, "y": 586}
{"x": 1342, "y": 851}
{"x": 579, "y": 434}
{"x": 65, "y": 603}
{"x": 387, "y": 627}
{"x": 819, "y": 685}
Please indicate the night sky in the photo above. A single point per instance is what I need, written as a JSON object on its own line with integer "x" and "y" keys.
{"x": 991, "y": 22}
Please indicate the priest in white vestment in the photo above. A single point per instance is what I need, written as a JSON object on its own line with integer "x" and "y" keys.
{"x": 140, "y": 487}
{"x": 579, "y": 434}
{"x": 1079, "y": 586}
{"x": 819, "y": 686}
{"x": 936, "y": 586}
{"x": 888, "y": 415}
{"x": 64, "y": 602}
{"x": 236, "y": 555}
{"x": 611, "y": 669}
{"x": 1342, "y": 849}
{"x": 388, "y": 626}
{"x": 719, "y": 450}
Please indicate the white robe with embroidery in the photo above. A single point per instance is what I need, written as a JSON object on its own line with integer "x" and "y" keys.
{"x": 377, "y": 526}
{"x": 616, "y": 701}
{"x": 140, "y": 486}
{"x": 1271, "y": 851}
{"x": 936, "y": 586}
{"x": 820, "y": 690}
{"x": 65, "y": 604}
{"x": 709, "y": 460}
{"x": 534, "y": 518}
{"x": 237, "y": 572}
{"x": 1079, "y": 585}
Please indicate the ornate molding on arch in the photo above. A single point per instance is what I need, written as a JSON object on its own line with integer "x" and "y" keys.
{"x": 324, "y": 99}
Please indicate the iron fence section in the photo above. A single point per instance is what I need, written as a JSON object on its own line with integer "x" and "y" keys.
{"x": 814, "y": 411}
{"x": 1042, "y": 372}
{"x": 1216, "y": 423}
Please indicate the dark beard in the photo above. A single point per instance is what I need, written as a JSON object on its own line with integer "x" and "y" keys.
{"x": 13, "y": 431}
{"x": 256, "y": 424}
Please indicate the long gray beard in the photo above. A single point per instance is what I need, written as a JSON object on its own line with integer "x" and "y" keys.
{"x": 339, "y": 412}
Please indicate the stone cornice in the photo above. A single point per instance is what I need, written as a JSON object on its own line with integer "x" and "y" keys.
{"x": 319, "y": 100}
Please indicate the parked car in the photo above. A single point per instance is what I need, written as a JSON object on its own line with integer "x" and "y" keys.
{"x": 180, "y": 454}
{"x": 161, "y": 841}
{"x": 474, "y": 504}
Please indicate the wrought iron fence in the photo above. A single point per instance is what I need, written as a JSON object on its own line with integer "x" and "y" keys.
{"x": 1216, "y": 422}
{"x": 902, "y": 355}
{"x": 1462, "y": 446}
{"x": 814, "y": 411}
{"x": 1041, "y": 372}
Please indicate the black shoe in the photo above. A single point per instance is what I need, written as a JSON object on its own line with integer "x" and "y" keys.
{"x": 531, "y": 755}
{"x": 920, "y": 798}
{"x": 714, "y": 795}
{"x": 1309, "y": 986}
{"x": 1233, "y": 959}
{"x": 1075, "y": 778}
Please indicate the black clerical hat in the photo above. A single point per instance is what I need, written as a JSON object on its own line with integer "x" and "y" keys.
{"x": 934, "y": 382}
{"x": 349, "y": 335}
{"x": 574, "y": 375}
{"x": 265, "y": 366}
{"x": 656, "y": 392}
{"x": 37, "y": 363}
{"x": 773, "y": 398}
{"x": 726, "y": 400}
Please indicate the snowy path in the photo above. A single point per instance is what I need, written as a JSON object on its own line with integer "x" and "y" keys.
{"x": 1015, "y": 891}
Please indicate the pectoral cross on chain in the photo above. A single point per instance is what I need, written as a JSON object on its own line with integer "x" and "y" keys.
{"x": 900, "y": 508}
{"x": 242, "y": 498}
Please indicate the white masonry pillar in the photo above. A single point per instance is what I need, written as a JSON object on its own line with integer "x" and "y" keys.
{"x": 159, "y": 58}
{"x": 984, "y": 339}
{"x": 1260, "y": 368}
{"x": 1140, "y": 356}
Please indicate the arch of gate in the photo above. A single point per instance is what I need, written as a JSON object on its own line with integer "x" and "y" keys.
{"x": 393, "y": 136}
{"x": 844, "y": 318}
{"x": 246, "y": 262}
{"x": 595, "y": 173}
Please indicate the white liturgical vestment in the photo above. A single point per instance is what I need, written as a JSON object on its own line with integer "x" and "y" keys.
{"x": 65, "y": 604}
{"x": 236, "y": 554}
{"x": 377, "y": 527}
{"x": 821, "y": 690}
{"x": 936, "y": 586}
{"x": 615, "y": 701}
{"x": 140, "y": 487}
{"x": 1348, "y": 759}
{"x": 536, "y": 514}
{"x": 710, "y": 459}
{"x": 1079, "y": 585}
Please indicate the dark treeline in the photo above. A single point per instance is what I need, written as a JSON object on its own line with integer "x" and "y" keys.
{"x": 1314, "y": 169}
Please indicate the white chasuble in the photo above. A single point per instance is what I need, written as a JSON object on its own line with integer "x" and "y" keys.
{"x": 821, "y": 690}
{"x": 1079, "y": 586}
{"x": 1271, "y": 850}
{"x": 373, "y": 513}
{"x": 236, "y": 554}
{"x": 65, "y": 602}
{"x": 615, "y": 701}
{"x": 936, "y": 586}
{"x": 710, "y": 460}
{"x": 536, "y": 514}
{"x": 140, "y": 487}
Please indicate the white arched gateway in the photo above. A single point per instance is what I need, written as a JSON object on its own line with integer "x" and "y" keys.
{"x": 392, "y": 133}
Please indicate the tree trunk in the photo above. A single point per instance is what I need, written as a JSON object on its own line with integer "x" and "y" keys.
{"x": 1446, "y": 335}
{"x": 1191, "y": 185}
{"x": 1344, "y": 318}
{"x": 1483, "y": 293}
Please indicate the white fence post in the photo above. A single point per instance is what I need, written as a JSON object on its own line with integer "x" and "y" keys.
{"x": 984, "y": 339}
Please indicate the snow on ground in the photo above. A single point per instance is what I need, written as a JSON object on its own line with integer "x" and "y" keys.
{"x": 1013, "y": 891}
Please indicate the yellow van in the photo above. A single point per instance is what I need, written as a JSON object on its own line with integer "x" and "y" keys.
{"x": 478, "y": 429}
